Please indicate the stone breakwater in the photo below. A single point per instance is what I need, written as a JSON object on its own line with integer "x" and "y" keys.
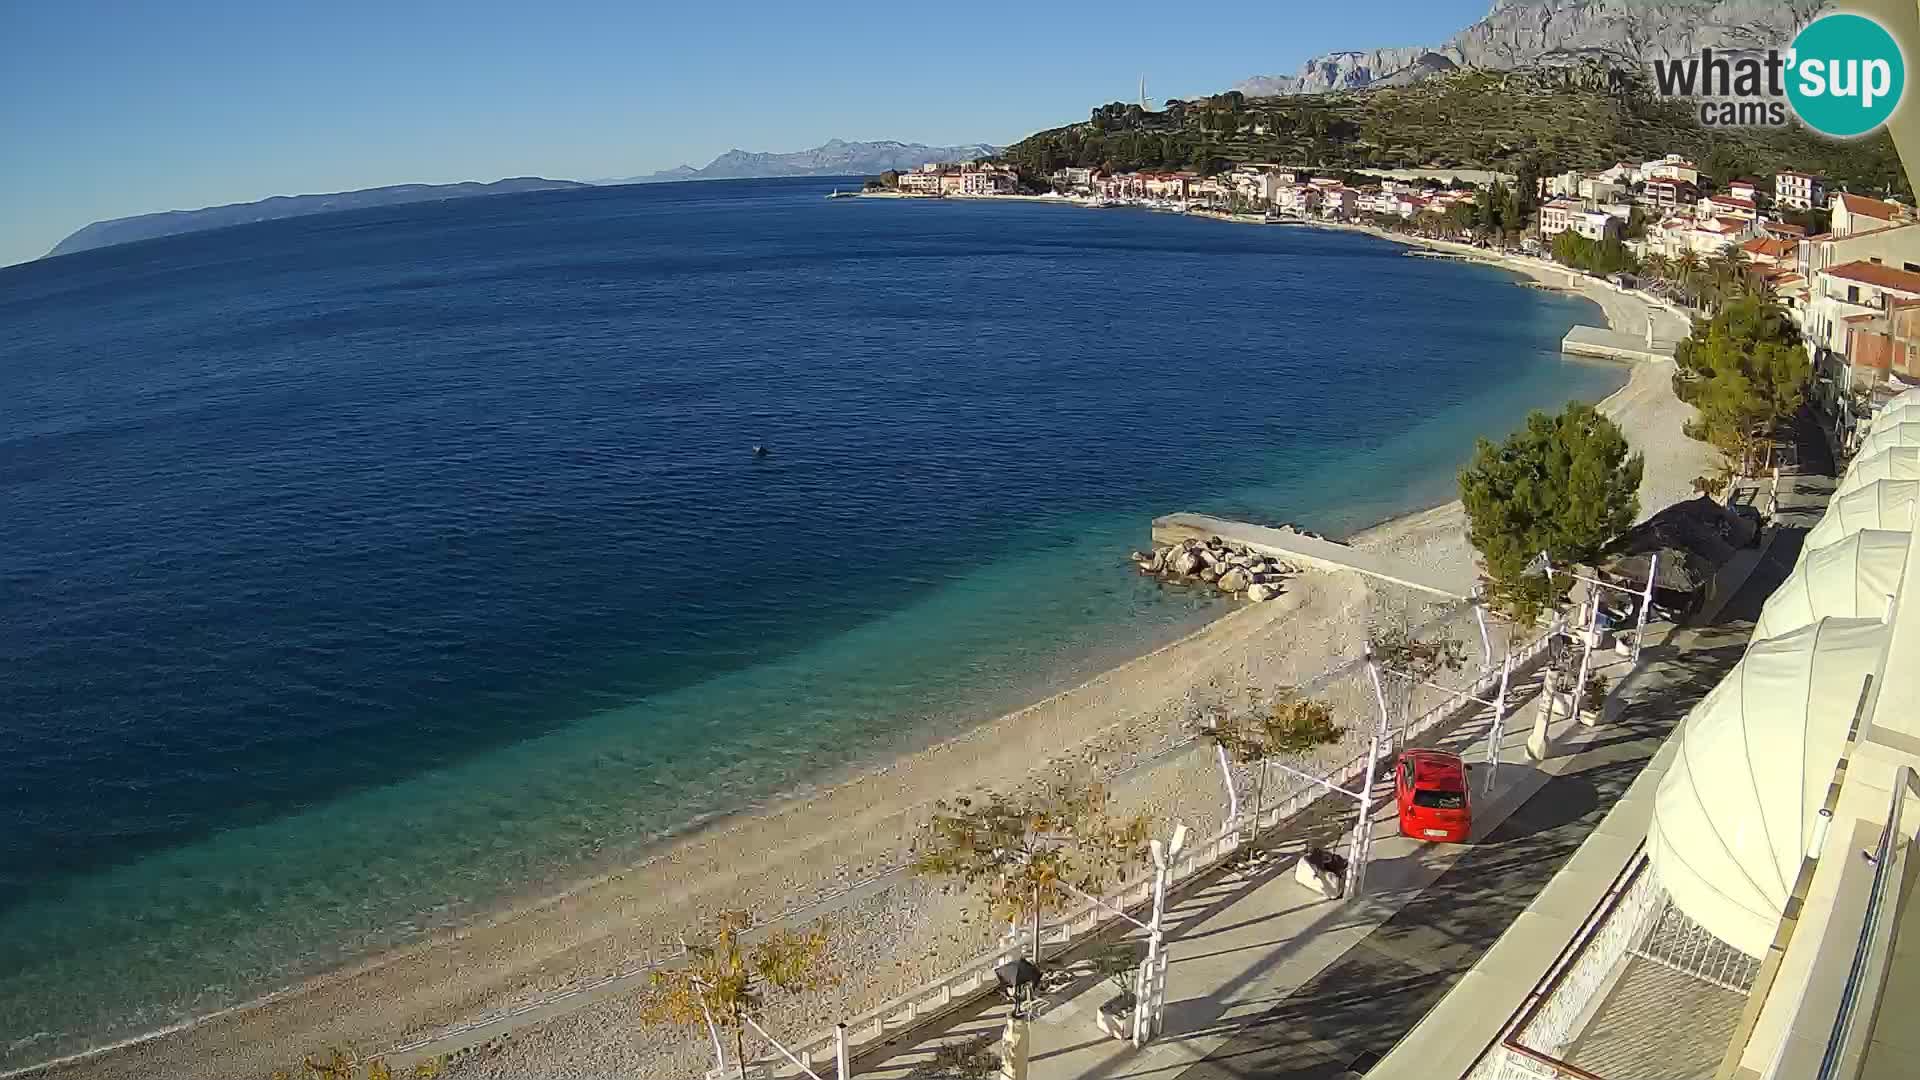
{"x": 1230, "y": 568}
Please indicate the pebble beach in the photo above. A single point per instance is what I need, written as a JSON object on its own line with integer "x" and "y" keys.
{"x": 828, "y": 852}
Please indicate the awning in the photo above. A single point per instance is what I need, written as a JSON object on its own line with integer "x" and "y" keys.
{"x": 1900, "y": 432}
{"x": 1883, "y": 504}
{"x": 1893, "y": 463}
{"x": 1738, "y": 809}
{"x": 1851, "y": 579}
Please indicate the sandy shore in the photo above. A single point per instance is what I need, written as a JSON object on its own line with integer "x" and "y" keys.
{"x": 1130, "y": 726}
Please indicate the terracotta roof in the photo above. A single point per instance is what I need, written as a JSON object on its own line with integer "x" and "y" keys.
{"x": 1770, "y": 246}
{"x": 1873, "y": 208}
{"x": 1883, "y": 277}
{"x": 1733, "y": 200}
{"x": 1783, "y": 229}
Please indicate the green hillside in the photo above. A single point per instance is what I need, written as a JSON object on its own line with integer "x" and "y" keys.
{"x": 1554, "y": 119}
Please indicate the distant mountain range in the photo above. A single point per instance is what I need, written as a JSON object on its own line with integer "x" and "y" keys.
{"x": 1525, "y": 33}
{"x": 173, "y": 222}
{"x": 835, "y": 157}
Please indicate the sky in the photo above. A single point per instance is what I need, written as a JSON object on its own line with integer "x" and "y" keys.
{"x": 113, "y": 109}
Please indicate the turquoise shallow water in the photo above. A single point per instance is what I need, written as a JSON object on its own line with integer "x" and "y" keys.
{"x": 362, "y": 570}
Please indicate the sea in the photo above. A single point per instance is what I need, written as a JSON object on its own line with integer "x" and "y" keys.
{"x": 361, "y": 570}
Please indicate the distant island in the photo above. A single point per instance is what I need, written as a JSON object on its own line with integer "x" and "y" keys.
{"x": 835, "y": 157}
{"x": 174, "y": 222}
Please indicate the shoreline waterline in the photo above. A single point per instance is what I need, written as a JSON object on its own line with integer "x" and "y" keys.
{"x": 716, "y": 831}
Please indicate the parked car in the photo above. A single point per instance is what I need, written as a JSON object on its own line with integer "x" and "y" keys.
{"x": 1431, "y": 788}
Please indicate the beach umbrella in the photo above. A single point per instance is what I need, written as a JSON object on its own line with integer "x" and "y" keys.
{"x": 1848, "y": 580}
{"x": 1900, "y": 433}
{"x": 1893, "y": 463}
{"x": 1883, "y": 504}
{"x": 1692, "y": 539}
{"x": 1739, "y": 807}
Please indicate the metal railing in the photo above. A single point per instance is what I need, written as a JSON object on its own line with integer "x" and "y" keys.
{"x": 964, "y": 983}
{"x": 1546, "y": 1024}
{"x": 1866, "y": 976}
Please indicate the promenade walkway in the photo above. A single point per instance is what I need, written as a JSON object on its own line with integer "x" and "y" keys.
{"x": 1244, "y": 942}
{"x": 1267, "y": 979}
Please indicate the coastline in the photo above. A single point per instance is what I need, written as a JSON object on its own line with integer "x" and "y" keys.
{"x": 826, "y": 837}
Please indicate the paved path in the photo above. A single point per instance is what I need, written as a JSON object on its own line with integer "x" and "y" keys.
{"x": 1243, "y": 941}
{"x": 1269, "y": 980}
{"x": 1351, "y": 1013}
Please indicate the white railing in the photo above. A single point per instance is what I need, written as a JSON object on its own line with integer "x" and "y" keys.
{"x": 1532, "y": 1045}
{"x": 977, "y": 973}
{"x": 963, "y": 983}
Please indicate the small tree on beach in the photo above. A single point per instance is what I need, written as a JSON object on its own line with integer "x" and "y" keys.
{"x": 1290, "y": 726}
{"x": 1025, "y": 853}
{"x": 1564, "y": 484}
{"x": 724, "y": 980}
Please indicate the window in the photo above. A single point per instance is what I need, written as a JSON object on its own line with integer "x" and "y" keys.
{"x": 1440, "y": 800}
{"x": 1853, "y": 294}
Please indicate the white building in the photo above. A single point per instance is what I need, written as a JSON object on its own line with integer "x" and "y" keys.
{"x": 1858, "y": 214}
{"x": 1798, "y": 190}
{"x": 1557, "y": 216}
{"x": 1596, "y": 189}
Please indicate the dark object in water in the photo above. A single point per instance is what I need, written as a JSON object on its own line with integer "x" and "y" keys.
{"x": 761, "y": 451}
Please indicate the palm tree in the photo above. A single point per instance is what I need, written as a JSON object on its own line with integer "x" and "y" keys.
{"x": 1729, "y": 270}
{"x": 1656, "y": 265}
{"x": 1686, "y": 275}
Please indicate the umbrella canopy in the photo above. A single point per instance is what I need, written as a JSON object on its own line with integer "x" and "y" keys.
{"x": 1692, "y": 538}
{"x": 1850, "y": 579}
{"x": 1883, "y": 504}
{"x": 1899, "y": 432}
{"x": 1738, "y": 808}
{"x": 1893, "y": 463}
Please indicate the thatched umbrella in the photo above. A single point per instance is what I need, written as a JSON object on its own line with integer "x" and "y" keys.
{"x": 1693, "y": 539}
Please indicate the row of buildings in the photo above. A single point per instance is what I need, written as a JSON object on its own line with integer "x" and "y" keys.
{"x": 968, "y": 178}
{"x": 1259, "y": 188}
{"x": 1854, "y": 288}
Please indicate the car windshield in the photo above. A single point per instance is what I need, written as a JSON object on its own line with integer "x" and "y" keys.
{"x": 1440, "y": 800}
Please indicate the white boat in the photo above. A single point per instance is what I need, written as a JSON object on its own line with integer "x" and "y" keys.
{"x": 838, "y": 194}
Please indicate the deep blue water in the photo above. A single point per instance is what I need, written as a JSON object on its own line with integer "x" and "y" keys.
{"x": 357, "y": 570}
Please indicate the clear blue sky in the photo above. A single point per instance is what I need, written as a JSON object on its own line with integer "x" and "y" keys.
{"x": 111, "y": 109}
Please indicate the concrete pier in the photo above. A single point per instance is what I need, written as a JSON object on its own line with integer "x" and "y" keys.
{"x": 1613, "y": 345}
{"x": 1293, "y": 547}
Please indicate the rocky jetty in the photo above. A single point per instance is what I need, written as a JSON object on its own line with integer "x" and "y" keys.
{"x": 1230, "y": 568}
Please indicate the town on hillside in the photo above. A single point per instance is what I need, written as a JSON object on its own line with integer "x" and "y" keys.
{"x": 1845, "y": 266}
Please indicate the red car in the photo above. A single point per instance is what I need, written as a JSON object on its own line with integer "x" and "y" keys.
{"x": 1431, "y": 788}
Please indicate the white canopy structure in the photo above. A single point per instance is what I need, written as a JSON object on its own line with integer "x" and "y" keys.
{"x": 1900, "y": 432}
{"x": 1851, "y": 579}
{"x": 1893, "y": 463}
{"x": 1905, "y": 407}
{"x": 1883, "y": 504}
{"x": 1741, "y": 803}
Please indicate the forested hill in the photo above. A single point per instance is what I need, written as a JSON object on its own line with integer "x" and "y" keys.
{"x": 173, "y": 222}
{"x": 1553, "y": 118}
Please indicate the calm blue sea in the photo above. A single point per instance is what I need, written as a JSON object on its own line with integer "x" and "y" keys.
{"x": 358, "y": 570}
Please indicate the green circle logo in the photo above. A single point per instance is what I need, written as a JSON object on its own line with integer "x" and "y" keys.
{"x": 1845, "y": 75}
